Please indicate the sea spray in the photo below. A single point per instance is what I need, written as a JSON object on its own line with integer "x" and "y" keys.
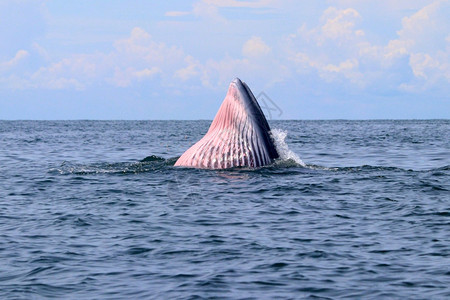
{"x": 282, "y": 147}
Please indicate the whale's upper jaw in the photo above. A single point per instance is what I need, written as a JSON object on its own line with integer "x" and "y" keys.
{"x": 251, "y": 104}
{"x": 239, "y": 135}
{"x": 255, "y": 112}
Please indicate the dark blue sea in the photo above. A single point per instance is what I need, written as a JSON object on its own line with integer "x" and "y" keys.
{"x": 96, "y": 210}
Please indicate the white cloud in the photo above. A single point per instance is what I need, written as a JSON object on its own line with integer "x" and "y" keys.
{"x": 210, "y": 9}
{"x": 340, "y": 23}
{"x": 21, "y": 21}
{"x": 191, "y": 70}
{"x": 126, "y": 77}
{"x": 140, "y": 49}
{"x": 176, "y": 13}
{"x": 255, "y": 47}
{"x": 421, "y": 63}
{"x": 63, "y": 83}
{"x": 423, "y": 37}
{"x": 420, "y": 22}
{"x": 74, "y": 72}
{"x": 145, "y": 73}
{"x": 20, "y": 56}
{"x": 347, "y": 68}
{"x": 389, "y": 5}
{"x": 393, "y": 50}
{"x": 207, "y": 11}
{"x": 139, "y": 58}
{"x": 41, "y": 51}
{"x": 331, "y": 48}
{"x": 134, "y": 59}
{"x": 262, "y": 70}
{"x": 337, "y": 50}
{"x": 236, "y": 3}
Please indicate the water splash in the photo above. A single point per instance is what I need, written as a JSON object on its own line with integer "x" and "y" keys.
{"x": 282, "y": 147}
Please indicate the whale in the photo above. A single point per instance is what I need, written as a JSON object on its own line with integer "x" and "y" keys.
{"x": 239, "y": 135}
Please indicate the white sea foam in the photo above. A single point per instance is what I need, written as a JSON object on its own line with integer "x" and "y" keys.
{"x": 282, "y": 147}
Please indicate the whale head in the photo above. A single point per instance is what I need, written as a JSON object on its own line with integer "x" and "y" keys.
{"x": 239, "y": 135}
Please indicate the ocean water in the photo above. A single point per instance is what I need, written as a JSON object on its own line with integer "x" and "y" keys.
{"x": 96, "y": 210}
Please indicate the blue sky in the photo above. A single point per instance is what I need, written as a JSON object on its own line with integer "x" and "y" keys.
{"x": 341, "y": 59}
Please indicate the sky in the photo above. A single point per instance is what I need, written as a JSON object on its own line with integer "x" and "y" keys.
{"x": 136, "y": 59}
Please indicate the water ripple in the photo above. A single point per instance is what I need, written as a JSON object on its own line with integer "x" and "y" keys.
{"x": 87, "y": 212}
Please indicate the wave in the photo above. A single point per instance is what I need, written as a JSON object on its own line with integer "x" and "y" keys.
{"x": 287, "y": 160}
{"x": 148, "y": 164}
{"x": 154, "y": 163}
{"x": 364, "y": 168}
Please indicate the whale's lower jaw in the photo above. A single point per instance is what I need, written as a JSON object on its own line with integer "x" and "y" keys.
{"x": 224, "y": 149}
{"x": 239, "y": 135}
